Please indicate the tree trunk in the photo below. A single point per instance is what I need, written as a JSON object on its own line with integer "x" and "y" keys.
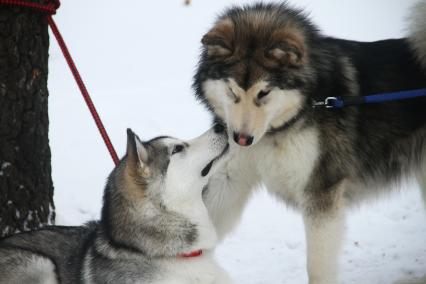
{"x": 26, "y": 188}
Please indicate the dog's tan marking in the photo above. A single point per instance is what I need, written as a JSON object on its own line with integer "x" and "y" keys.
{"x": 288, "y": 47}
{"x": 135, "y": 189}
{"x": 136, "y": 170}
{"x": 219, "y": 40}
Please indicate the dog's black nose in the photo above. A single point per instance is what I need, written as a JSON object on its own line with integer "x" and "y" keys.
{"x": 218, "y": 128}
{"x": 243, "y": 139}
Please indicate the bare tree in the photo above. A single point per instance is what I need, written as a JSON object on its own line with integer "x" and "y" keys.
{"x": 26, "y": 188}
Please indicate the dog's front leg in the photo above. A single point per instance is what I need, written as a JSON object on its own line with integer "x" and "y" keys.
{"x": 228, "y": 191}
{"x": 324, "y": 235}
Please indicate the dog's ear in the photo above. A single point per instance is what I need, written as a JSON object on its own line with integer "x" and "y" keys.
{"x": 219, "y": 40}
{"x": 287, "y": 48}
{"x": 137, "y": 155}
{"x": 286, "y": 55}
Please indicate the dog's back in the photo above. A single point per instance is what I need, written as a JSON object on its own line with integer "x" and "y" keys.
{"x": 50, "y": 255}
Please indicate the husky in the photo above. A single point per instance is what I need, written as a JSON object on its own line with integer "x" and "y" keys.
{"x": 154, "y": 227}
{"x": 261, "y": 69}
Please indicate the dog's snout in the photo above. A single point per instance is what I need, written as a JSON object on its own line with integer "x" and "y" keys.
{"x": 218, "y": 128}
{"x": 243, "y": 139}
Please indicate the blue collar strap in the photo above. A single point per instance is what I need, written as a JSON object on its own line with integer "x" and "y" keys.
{"x": 339, "y": 102}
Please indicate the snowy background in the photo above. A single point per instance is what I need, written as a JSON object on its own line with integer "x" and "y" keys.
{"x": 137, "y": 58}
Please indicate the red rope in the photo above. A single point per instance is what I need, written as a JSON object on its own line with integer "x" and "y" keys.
{"x": 50, "y": 8}
{"x": 83, "y": 89}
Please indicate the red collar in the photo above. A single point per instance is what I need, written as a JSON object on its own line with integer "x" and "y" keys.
{"x": 194, "y": 253}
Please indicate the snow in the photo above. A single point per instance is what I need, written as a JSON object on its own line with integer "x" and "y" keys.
{"x": 52, "y": 211}
{"x": 29, "y": 218}
{"x": 5, "y": 165}
{"x": 6, "y": 230}
{"x": 138, "y": 59}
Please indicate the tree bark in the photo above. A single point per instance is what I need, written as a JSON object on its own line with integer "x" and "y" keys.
{"x": 26, "y": 188}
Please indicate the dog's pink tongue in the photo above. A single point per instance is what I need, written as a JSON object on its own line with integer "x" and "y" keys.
{"x": 242, "y": 140}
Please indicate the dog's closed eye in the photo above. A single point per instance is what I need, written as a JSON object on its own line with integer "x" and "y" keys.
{"x": 262, "y": 94}
{"x": 177, "y": 149}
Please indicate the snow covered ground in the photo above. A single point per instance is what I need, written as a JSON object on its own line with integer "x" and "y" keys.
{"x": 138, "y": 59}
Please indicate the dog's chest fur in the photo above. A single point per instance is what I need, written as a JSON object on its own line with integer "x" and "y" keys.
{"x": 285, "y": 162}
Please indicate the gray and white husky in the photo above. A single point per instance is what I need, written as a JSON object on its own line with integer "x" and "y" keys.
{"x": 154, "y": 229}
{"x": 261, "y": 68}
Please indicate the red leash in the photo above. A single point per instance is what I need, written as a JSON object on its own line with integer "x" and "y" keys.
{"x": 50, "y": 9}
{"x": 83, "y": 89}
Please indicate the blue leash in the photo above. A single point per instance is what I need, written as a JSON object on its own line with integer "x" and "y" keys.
{"x": 339, "y": 102}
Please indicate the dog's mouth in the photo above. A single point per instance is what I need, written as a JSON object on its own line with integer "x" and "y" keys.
{"x": 209, "y": 166}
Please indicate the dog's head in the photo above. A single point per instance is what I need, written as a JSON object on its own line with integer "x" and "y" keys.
{"x": 153, "y": 198}
{"x": 254, "y": 69}
{"x": 169, "y": 170}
